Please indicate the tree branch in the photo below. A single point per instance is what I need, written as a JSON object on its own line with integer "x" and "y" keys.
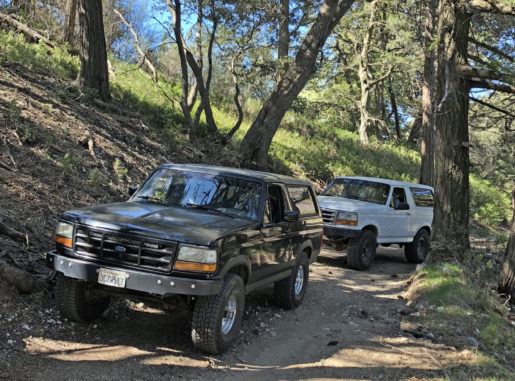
{"x": 472, "y": 72}
{"x": 482, "y": 84}
{"x": 491, "y": 106}
{"x": 491, "y": 48}
{"x": 491, "y": 6}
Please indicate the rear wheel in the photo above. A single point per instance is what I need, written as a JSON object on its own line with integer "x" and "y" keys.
{"x": 217, "y": 319}
{"x": 416, "y": 251}
{"x": 289, "y": 292}
{"x": 362, "y": 250}
{"x": 77, "y": 301}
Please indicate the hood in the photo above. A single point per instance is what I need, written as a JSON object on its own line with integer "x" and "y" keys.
{"x": 158, "y": 221}
{"x": 345, "y": 204}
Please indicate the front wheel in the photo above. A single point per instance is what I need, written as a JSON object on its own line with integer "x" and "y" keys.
{"x": 416, "y": 251}
{"x": 77, "y": 301}
{"x": 362, "y": 250}
{"x": 289, "y": 292}
{"x": 217, "y": 319}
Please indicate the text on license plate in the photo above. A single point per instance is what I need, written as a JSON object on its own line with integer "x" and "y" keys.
{"x": 112, "y": 278}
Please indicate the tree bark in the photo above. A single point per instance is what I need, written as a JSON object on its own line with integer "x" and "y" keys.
{"x": 451, "y": 215}
{"x": 192, "y": 96}
{"x": 284, "y": 29}
{"x": 69, "y": 33}
{"x": 395, "y": 109}
{"x": 363, "y": 77}
{"x": 507, "y": 282}
{"x": 428, "y": 135}
{"x": 175, "y": 10}
{"x": 256, "y": 143}
{"x": 93, "y": 70}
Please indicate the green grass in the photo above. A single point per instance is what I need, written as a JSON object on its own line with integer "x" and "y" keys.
{"x": 316, "y": 146}
{"x": 37, "y": 57}
{"x": 455, "y": 298}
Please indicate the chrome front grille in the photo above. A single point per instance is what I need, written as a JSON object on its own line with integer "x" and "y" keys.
{"x": 124, "y": 249}
{"x": 329, "y": 216}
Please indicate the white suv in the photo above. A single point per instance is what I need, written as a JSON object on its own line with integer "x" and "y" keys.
{"x": 363, "y": 211}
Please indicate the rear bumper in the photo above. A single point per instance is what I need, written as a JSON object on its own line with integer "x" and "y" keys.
{"x": 157, "y": 284}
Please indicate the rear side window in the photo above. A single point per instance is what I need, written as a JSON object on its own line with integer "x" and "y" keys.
{"x": 422, "y": 197}
{"x": 302, "y": 199}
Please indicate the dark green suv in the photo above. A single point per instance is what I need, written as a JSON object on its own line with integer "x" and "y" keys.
{"x": 193, "y": 236}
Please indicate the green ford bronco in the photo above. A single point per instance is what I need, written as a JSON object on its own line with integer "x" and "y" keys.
{"x": 192, "y": 236}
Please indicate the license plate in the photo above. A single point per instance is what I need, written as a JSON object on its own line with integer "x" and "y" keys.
{"x": 112, "y": 278}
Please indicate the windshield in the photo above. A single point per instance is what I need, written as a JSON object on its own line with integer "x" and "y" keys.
{"x": 355, "y": 189}
{"x": 222, "y": 194}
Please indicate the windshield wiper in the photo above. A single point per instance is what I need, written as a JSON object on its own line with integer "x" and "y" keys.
{"x": 153, "y": 199}
{"x": 208, "y": 208}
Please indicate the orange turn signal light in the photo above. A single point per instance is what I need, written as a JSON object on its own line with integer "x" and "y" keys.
{"x": 345, "y": 222}
{"x": 63, "y": 241}
{"x": 194, "y": 266}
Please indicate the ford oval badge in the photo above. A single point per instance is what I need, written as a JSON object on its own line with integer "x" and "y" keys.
{"x": 120, "y": 249}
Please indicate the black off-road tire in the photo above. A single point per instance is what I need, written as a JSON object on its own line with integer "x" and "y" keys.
{"x": 289, "y": 292}
{"x": 362, "y": 250}
{"x": 416, "y": 251}
{"x": 208, "y": 316}
{"x": 75, "y": 302}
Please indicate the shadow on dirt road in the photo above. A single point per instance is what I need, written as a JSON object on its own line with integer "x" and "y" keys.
{"x": 349, "y": 327}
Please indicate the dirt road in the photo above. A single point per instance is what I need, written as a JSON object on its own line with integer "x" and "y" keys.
{"x": 349, "y": 327}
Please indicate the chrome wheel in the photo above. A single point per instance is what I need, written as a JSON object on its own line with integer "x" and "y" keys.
{"x": 229, "y": 315}
{"x": 299, "y": 280}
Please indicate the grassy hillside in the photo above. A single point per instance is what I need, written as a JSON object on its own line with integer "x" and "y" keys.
{"x": 314, "y": 149}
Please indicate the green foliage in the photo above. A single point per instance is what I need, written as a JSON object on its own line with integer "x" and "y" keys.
{"x": 57, "y": 61}
{"x": 95, "y": 178}
{"x": 453, "y": 297}
{"x": 120, "y": 171}
{"x": 141, "y": 94}
{"x": 69, "y": 162}
{"x": 488, "y": 204}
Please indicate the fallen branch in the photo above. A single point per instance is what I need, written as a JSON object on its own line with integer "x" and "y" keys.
{"x": 21, "y": 279}
{"x": 25, "y": 29}
{"x": 11, "y": 233}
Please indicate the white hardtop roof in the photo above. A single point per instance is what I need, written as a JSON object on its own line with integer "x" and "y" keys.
{"x": 387, "y": 181}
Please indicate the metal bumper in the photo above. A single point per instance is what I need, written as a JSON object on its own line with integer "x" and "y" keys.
{"x": 157, "y": 284}
{"x": 339, "y": 233}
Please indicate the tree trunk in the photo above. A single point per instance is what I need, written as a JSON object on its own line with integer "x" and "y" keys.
{"x": 428, "y": 136}
{"x": 284, "y": 38}
{"x": 507, "y": 282}
{"x": 192, "y": 96}
{"x": 363, "y": 77}
{"x": 175, "y": 10}
{"x": 256, "y": 143}
{"x": 451, "y": 218}
{"x": 395, "y": 109}
{"x": 93, "y": 70}
{"x": 69, "y": 33}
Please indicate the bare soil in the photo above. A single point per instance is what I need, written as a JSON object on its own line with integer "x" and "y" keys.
{"x": 352, "y": 325}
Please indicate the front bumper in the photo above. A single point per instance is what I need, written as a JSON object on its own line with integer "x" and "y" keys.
{"x": 332, "y": 232}
{"x": 156, "y": 284}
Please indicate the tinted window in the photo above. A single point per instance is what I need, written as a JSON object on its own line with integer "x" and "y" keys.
{"x": 356, "y": 189}
{"x": 302, "y": 199}
{"x": 422, "y": 197}
{"x": 238, "y": 198}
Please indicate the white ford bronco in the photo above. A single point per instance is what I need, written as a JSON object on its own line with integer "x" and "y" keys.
{"x": 360, "y": 212}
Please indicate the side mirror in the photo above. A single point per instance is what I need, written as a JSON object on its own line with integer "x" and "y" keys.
{"x": 402, "y": 206}
{"x": 132, "y": 190}
{"x": 291, "y": 215}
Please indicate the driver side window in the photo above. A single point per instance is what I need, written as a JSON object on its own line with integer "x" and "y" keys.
{"x": 398, "y": 196}
{"x": 274, "y": 205}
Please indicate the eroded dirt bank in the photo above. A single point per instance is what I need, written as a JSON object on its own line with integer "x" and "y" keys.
{"x": 349, "y": 327}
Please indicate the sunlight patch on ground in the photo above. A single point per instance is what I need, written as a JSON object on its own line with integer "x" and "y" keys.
{"x": 73, "y": 351}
